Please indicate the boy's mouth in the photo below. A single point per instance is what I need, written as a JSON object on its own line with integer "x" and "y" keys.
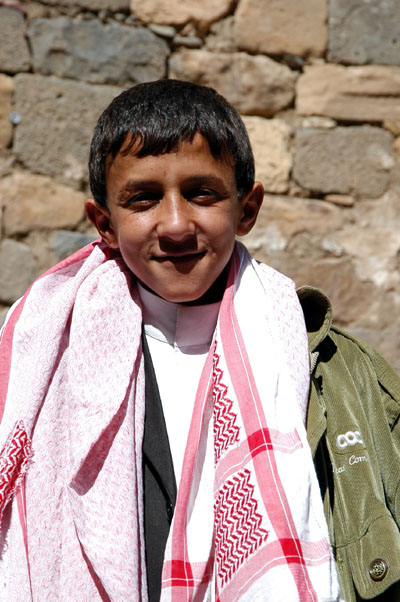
{"x": 179, "y": 257}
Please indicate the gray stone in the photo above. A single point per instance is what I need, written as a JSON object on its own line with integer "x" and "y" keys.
{"x": 95, "y": 5}
{"x": 188, "y": 41}
{"x": 344, "y": 160}
{"x": 97, "y": 53}
{"x": 363, "y": 32}
{"x": 17, "y": 270}
{"x": 65, "y": 242}
{"x": 255, "y": 85}
{"x": 14, "y": 51}
{"x": 3, "y": 314}
{"x": 57, "y": 121}
{"x": 369, "y": 93}
{"x": 165, "y": 31}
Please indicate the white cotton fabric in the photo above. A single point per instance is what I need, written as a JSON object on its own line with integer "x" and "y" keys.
{"x": 179, "y": 338}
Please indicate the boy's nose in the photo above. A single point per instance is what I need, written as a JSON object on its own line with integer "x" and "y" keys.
{"x": 174, "y": 219}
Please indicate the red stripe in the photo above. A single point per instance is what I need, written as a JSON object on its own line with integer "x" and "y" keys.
{"x": 181, "y": 573}
{"x": 269, "y": 557}
{"x": 251, "y": 408}
{"x": 20, "y": 497}
{"x": 259, "y": 441}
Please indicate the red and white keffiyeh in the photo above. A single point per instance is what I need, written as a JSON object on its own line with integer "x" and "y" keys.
{"x": 72, "y": 396}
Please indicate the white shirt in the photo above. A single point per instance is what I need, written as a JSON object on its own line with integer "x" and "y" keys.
{"x": 179, "y": 338}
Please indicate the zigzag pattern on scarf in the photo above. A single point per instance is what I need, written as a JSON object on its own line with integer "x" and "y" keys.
{"x": 14, "y": 460}
{"x": 226, "y": 432}
{"x": 238, "y": 531}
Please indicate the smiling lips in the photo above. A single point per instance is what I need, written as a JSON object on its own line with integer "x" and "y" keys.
{"x": 179, "y": 258}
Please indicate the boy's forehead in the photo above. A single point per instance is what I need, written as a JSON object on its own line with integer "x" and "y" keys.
{"x": 199, "y": 147}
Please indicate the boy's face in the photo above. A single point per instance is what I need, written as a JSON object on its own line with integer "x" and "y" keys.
{"x": 174, "y": 218}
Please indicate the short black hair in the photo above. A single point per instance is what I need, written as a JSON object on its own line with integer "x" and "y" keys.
{"x": 159, "y": 116}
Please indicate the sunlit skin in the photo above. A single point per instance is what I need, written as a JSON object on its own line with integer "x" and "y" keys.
{"x": 174, "y": 218}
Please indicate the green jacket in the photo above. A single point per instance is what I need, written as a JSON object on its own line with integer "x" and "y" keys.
{"x": 353, "y": 429}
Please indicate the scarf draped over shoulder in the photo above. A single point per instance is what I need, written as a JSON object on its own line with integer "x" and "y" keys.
{"x": 72, "y": 418}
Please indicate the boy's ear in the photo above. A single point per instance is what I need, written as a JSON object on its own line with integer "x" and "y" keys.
{"x": 251, "y": 204}
{"x": 101, "y": 220}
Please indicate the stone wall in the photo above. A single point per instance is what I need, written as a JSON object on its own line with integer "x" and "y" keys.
{"x": 318, "y": 84}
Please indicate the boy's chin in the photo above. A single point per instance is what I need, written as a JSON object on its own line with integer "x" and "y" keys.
{"x": 213, "y": 294}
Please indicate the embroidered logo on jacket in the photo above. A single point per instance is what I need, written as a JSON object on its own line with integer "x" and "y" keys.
{"x": 348, "y": 437}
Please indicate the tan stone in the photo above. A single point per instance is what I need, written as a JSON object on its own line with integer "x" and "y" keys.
{"x": 344, "y": 200}
{"x": 34, "y": 202}
{"x": 318, "y": 122}
{"x": 171, "y": 12}
{"x": 221, "y": 36}
{"x": 295, "y": 27}
{"x": 270, "y": 142}
{"x": 255, "y": 85}
{"x": 369, "y": 93}
{"x": 392, "y": 126}
{"x": 6, "y": 91}
{"x": 283, "y": 219}
{"x": 371, "y": 238}
{"x": 358, "y": 243}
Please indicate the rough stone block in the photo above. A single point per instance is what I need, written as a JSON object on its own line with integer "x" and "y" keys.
{"x": 94, "y": 5}
{"x": 221, "y": 37}
{"x": 97, "y": 53}
{"x": 255, "y": 85}
{"x": 64, "y": 242}
{"x": 274, "y": 27}
{"x": 283, "y": 218}
{"x": 33, "y": 202}
{"x": 363, "y": 32}
{"x": 3, "y": 315}
{"x": 57, "y": 121}
{"x": 6, "y": 91}
{"x": 370, "y": 93}
{"x": 14, "y": 51}
{"x": 270, "y": 142}
{"x": 173, "y": 12}
{"x": 17, "y": 270}
{"x": 344, "y": 160}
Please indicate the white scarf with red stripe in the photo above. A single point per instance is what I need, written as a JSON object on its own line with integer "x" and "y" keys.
{"x": 72, "y": 393}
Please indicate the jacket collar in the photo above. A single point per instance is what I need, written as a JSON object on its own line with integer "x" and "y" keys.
{"x": 317, "y": 311}
{"x": 318, "y": 318}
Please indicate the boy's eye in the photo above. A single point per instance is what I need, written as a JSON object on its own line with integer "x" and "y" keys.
{"x": 204, "y": 195}
{"x": 142, "y": 198}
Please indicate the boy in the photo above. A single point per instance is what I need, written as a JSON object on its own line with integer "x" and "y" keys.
{"x": 165, "y": 407}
